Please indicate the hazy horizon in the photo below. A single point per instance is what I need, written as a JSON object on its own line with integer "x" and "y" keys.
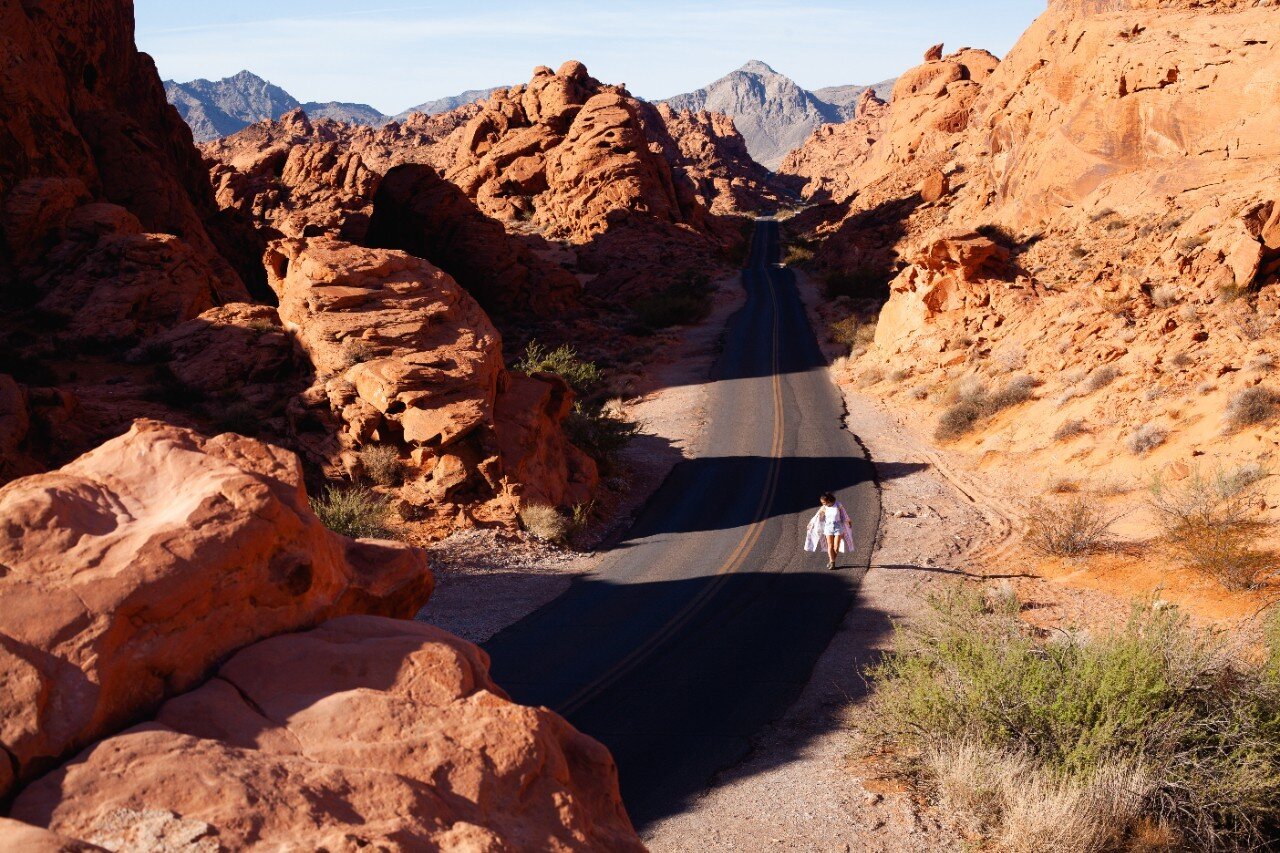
{"x": 396, "y": 57}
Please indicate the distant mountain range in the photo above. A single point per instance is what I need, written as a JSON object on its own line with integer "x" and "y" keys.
{"x": 218, "y": 108}
{"x": 772, "y": 112}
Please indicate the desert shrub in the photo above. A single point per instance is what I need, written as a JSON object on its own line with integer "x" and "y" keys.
{"x": 356, "y": 512}
{"x": 1262, "y": 363}
{"x": 546, "y": 522}
{"x": 681, "y": 304}
{"x": 1100, "y": 377}
{"x": 858, "y": 283}
{"x": 852, "y": 332}
{"x": 1187, "y": 245}
{"x": 797, "y": 254}
{"x": 920, "y": 392}
{"x": 381, "y": 464}
{"x": 1152, "y": 723}
{"x": 900, "y": 375}
{"x": 1182, "y": 359}
{"x": 1164, "y": 296}
{"x": 1250, "y": 406}
{"x": 956, "y": 420}
{"x": 1068, "y": 528}
{"x": 581, "y": 516}
{"x": 1069, "y": 429}
{"x": 239, "y": 416}
{"x": 583, "y": 376}
{"x": 355, "y": 351}
{"x": 971, "y": 402}
{"x": 1014, "y": 392}
{"x": 599, "y": 431}
{"x": 1210, "y": 525}
{"x": 1078, "y": 252}
{"x": 1105, "y": 213}
{"x": 1145, "y": 438}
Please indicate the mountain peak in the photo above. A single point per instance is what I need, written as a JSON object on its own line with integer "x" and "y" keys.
{"x": 755, "y": 66}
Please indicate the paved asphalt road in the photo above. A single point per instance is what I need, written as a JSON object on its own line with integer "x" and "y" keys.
{"x": 705, "y": 622}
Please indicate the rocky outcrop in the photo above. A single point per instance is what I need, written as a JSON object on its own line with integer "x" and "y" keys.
{"x": 364, "y": 732}
{"x": 86, "y": 122}
{"x": 131, "y": 571}
{"x": 829, "y": 166}
{"x": 403, "y": 356}
{"x": 421, "y": 213}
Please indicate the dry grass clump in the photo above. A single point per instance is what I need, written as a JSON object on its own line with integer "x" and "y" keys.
{"x": 1250, "y": 406}
{"x": 852, "y": 332}
{"x": 1262, "y": 363}
{"x": 971, "y": 402}
{"x": 797, "y": 254}
{"x": 1145, "y": 438}
{"x": 900, "y": 375}
{"x": 869, "y": 377}
{"x": 381, "y": 464}
{"x": 545, "y": 522}
{"x": 1070, "y": 428}
{"x": 1081, "y": 744}
{"x": 1210, "y": 524}
{"x": 1068, "y": 528}
{"x": 357, "y": 512}
{"x": 1100, "y": 377}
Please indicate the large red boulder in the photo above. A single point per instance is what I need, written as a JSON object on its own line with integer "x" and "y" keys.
{"x": 130, "y": 572}
{"x": 365, "y": 733}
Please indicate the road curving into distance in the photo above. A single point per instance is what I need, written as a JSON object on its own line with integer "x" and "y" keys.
{"x": 703, "y": 624}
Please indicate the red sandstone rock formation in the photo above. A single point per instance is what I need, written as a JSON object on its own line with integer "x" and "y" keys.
{"x": 828, "y": 167}
{"x": 419, "y": 212}
{"x": 362, "y": 732}
{"x": 131, "y": 571}
{"x": 405, "y": 357}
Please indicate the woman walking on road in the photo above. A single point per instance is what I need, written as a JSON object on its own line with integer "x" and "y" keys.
{"x": 830, "y": 526}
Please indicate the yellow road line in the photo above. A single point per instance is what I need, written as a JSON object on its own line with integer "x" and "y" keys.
{"x": 736, "y": 558}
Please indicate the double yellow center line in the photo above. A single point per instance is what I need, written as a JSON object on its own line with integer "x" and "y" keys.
{"x": 735, "y": 560}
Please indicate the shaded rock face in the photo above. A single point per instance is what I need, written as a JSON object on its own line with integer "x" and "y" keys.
{"x": 771, "y": 111}
{"x": 418, "y": 211}
{"x": 403, "y": 356}
{"x": 84, "y": 107}
{"x": 131, "y": 571}
{"x": 362, "y": 732}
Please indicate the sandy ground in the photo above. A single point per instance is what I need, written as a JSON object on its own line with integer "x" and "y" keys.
{"x": 486, "y": 580}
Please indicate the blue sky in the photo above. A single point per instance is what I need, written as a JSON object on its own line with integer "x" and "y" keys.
{"x": 397, "y": 54}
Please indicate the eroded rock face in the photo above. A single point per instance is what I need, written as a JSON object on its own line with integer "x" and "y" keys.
{"x": 404, "y": 356}
{"x": 828, "y": 167}
{"x": 364, "y": 731}
{"x": 419, "y": 212}
{"x": 131, "y": 571}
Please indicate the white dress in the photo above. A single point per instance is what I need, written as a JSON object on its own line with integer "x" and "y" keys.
{"x": 830, "y": 516}
{"x": 820, "y": 526}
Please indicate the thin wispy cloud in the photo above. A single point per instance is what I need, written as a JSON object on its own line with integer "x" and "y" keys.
{"x": 396, "y": 55}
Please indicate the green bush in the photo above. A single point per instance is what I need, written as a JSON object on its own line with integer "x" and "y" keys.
{"x": 1156, "y": 696}
{"x": 583, "y": 376}
{"x": 600, "y": 432}
{"x": 357, "y": 512}
{"x": 1210, "y": 525}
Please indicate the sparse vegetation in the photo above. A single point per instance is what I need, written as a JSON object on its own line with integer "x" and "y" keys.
{"x": 381, "y": 464}
{"x": 1210, "y": 524}
{"x": 546, "y": 522}
{"x": 583, "y": 376}
{"x": 681, "y": 304}
{"x": 601, "y": 431}
{"x": 1145, "y": 438}
{"x": 797, "y": 254}
{"x": 1068, "y": 528}
{"x": 1187, "y": 245}
{"x": 1069, "y": 429}
{"x": 355, "y": 351}
{"x": 971, "y": 402}
{"x": 1250, "y": 406}
{"x": 1100, "y": 377}
{"x": 852, "y": 332}
{"x": 1072, "y": 743}
{"x": 357, "y": 512}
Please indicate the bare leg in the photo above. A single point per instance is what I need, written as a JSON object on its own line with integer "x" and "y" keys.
{"x": 833, "y": 548}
